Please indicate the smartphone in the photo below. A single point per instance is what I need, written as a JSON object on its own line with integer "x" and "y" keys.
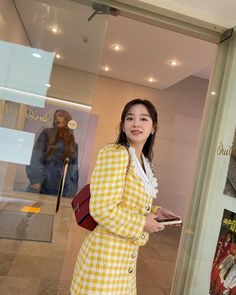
{"x": 170, "y": 221}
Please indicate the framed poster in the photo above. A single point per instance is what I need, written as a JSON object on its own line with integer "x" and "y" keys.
{"x": 223, "y": 272}
{"x": 62, "y": 131}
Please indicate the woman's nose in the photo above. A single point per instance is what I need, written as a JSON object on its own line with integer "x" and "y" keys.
{"x": 136, "y": 123}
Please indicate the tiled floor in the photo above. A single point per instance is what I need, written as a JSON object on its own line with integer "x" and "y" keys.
{"x": 156, "y": 262}
{"x": 35, "y": 268}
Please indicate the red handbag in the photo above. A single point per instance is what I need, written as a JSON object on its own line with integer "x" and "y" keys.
{"x": 80, "y": 205}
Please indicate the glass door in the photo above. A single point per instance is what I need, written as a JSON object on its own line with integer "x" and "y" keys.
{"x": 208, "y": 238}
{"x": 50, "y": 59}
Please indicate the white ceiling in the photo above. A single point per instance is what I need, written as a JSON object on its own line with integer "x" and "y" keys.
{"x": 147, "y": 49}
{"x": 218, "y": 12}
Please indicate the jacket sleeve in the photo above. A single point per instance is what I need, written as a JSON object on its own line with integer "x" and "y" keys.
{"x": 154, "y": 209}
{"x": 35, "y": 171}
{"x": 107, "y": 186}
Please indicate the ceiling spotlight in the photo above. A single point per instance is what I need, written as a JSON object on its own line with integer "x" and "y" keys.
{"x": 58, "y": 55}
{"x": 150, "y": 79}
{"x": 173, "y": 62}
{"x": 106, "y": 68}
{"x": 37, "y": 55}
{"x": 213, "y": 93}
{"x": 55, "y": 30}
{"x": 116, "y": 47}
{"x": 48, "y": 85}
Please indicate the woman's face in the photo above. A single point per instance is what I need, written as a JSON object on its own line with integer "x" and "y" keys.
{"x": 138, "y": 125}
{"x": 228, "y": 238}
{"x": 60, "y": 120}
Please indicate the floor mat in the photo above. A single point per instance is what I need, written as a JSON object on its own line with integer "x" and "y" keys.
{"x": 26, "y": 226}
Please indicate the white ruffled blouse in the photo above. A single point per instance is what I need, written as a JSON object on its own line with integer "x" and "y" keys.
{"x": 148, "y": 179}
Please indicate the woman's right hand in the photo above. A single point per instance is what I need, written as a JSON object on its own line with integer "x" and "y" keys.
{"x": 151, "y": 225}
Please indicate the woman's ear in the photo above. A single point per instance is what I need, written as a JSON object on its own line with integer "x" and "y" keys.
{"x": 154, "y": 129}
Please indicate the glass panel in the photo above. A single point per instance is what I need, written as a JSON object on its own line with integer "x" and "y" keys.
{"x": 50, "y": 59}
{"x": 31, "y": 77}
{"x": 211, "y": 216}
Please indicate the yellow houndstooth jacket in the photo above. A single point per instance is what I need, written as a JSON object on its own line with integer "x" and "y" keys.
{"x": 106, "y": 264}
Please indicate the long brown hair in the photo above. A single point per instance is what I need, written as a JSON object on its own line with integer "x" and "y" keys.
{"x": 64, "y": 134}
{"x": 122, "y": 139}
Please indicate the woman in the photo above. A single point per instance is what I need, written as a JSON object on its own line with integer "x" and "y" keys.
{"x": 122, "y": 190}
{"x": 52, "y": 147}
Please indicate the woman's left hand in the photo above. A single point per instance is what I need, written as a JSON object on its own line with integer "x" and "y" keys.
{"x": 163, "y": 213}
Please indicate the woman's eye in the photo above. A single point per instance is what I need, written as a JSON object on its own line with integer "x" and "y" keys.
{"x": 129, "y": 118}
{"x": 144, "y": 119}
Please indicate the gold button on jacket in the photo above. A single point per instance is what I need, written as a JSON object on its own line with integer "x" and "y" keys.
{"x": 130, "y": 270}
{"x": 133, "y": 255}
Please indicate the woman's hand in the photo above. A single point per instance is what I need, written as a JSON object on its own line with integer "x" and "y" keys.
{"x": 151, "y": 225}
{"x": 163, "y": 213}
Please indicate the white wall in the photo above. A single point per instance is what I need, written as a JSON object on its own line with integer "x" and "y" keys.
{"x": 73, "y": 85}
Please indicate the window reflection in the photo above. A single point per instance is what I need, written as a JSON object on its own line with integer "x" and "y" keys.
{"x": 51, "y": 148}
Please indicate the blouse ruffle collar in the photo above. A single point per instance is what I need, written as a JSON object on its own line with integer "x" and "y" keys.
{"x": 148, "y": 179}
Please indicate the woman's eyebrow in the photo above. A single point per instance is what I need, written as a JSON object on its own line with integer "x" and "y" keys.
{"x": 131, "y": 114}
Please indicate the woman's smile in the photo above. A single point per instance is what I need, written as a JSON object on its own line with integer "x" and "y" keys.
{"x": 136, "y": 132}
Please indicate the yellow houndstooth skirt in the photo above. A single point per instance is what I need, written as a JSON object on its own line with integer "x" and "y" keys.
{"x": 105, "y": 266}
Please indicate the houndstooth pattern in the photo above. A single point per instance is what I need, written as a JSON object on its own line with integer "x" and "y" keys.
{"x": 106, "y": 264}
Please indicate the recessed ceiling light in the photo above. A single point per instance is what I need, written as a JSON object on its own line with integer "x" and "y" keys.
{"x": 37, "y": 55}
{"x": 48, "y": 85}
{"x": 54, "y": 30}
{"x": 106, "y": 68}
{"x": 213, "y": 93}
{"x": 150, "y": 79}
{"x": 58, "y": 55}
{"x": 117, "y": 47}
{"x": 173, "y": 62}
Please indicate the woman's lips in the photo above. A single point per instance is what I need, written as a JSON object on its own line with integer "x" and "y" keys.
{"x": 136, "y": 132}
